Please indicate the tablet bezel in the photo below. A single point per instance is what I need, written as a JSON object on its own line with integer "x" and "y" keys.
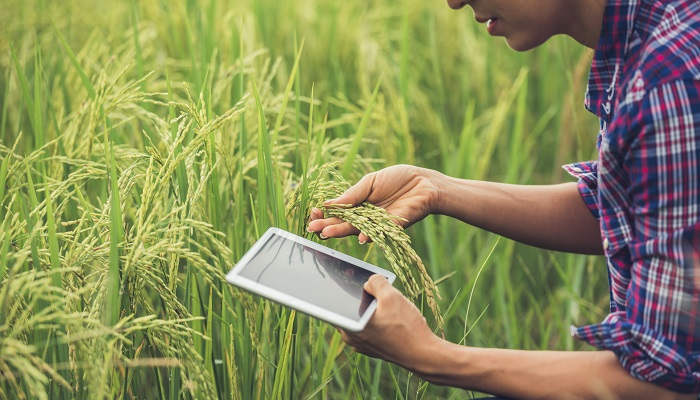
{"x": 314, "y": 310}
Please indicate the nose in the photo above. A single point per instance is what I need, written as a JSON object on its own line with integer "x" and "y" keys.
{"x": 457, "y": 4}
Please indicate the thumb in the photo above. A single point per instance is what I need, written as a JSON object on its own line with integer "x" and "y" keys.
{"x": 376, "y": 285}
{"x": 357, "y": 193}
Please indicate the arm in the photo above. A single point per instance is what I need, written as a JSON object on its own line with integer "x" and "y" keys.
{"x": 526, "y": 374}
{"x": 552, "y": 216}
{"x": 513, "y": 373}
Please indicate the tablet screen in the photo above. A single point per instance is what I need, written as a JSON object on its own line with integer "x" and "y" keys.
{"x": 310, "y": 275}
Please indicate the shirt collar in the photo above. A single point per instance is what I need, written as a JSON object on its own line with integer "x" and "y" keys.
{"x": 618, "y": 24}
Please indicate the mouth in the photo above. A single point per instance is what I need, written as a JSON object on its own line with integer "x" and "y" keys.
{"x": 493, "y": 27}
{"x": 488, "y": 20}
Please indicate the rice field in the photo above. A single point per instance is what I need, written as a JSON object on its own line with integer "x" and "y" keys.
{"x": 145, "y": 145}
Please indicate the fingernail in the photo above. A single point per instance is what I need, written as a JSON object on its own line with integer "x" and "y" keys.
{"x": 330, "y": 201}
{"x": 322, "y": 236}
{"x": 308, "y": 228}
{"x": 362, "y": 241}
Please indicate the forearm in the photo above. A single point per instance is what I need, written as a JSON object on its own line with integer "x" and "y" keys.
{"x": 524, "y": 374}
{"x": 549, "y": 216}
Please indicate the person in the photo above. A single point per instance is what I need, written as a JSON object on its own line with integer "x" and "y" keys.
{"x": 638, "y": 204}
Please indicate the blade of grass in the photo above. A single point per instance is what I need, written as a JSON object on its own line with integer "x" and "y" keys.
{"x": 285, "y": 95}
{"x": 516, "y": 150}
{"x": 267, "y": 184}
{"x": 74, "y": 60}
{"x": 5, "y": 107}
{"x": 113, "y": 295}
{"x": 359, "y": 135}
{"x": 53, "y": 242}
{"x": 28, "y": 101}
{"x": 476, "y": 280}
{"x": 137, "y": 45}
{"x": 209, "y": 333}
{"x": 4, "y": 166}
{"x": 31, "y": 218}
{"x": 334, "y": 350}
{"x": 4, "y": 247}
{"x": 495, "y": 128}
{"x": 39, "y": 134}
{"x": 31, "y": 233}
{"x": 281, "y": 371}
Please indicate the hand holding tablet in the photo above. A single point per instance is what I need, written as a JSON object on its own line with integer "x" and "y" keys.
{"x": 309, "y": 277}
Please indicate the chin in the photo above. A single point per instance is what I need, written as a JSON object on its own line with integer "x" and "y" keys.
{"x": 524, "y": 43}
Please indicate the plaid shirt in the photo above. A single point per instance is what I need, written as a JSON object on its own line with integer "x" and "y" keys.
{"x": 644, "y": 85}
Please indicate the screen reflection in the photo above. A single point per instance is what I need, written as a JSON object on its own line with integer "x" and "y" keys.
{"x": 311, "y": 276}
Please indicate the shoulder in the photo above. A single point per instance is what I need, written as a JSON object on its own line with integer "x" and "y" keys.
{"x": 668, "y": 36}
{"x": 666, "y": 113}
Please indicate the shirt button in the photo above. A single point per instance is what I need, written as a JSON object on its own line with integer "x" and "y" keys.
{"x": 606, "y": 244}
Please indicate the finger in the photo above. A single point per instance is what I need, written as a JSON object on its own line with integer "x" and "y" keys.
{"x": 351, "y": 338}
{"x": 316, "y": 214}
{"x": 362, "y": 238}
{"x": 377, "y": 285}
{"x": 361, "y": 346}
{"x": 339, "y": 230}
{"x": 344, "y": 336}
{"x": 319, "y": 224}
{"x": 357, "y": 193}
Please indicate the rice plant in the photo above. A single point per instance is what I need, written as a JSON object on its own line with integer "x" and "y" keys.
{"x": 145, "y": 146}
{"x": 380, "y": 226}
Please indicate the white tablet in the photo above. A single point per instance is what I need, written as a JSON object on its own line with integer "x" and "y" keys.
{"x": 309, "y": 277}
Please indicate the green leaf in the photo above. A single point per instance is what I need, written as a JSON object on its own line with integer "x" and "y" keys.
{"x": 359, "y": 135}
{"x": 74, "y": 60}
{"x": 113, "y": 296}
{"x": 23, "y": 83}
{"x": 53, "y": 242}
{"x": 266, "y": 184}
{"x": 280, "y": 373}
{"x": 39, "y": 135}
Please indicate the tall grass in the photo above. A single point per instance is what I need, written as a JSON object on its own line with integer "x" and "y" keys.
{"x": 144, "y": 146}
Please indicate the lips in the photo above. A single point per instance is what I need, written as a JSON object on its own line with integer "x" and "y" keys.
{"x": 480, "y": 19}
{"x": 490, "y": 25}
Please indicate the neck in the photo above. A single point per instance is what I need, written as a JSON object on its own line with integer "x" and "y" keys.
{"x": 583, "y": 20}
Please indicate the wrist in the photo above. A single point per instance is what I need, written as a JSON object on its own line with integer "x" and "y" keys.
{"x": 441, "y": 182}
{"x": 439, "y": 360}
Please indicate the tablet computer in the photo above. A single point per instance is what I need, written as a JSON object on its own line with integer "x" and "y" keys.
{"x": 309, "y": 277}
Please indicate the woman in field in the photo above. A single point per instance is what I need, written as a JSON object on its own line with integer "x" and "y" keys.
{"x": 638, "y": 204}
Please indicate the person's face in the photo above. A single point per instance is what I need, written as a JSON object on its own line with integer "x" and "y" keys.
{"x": 524, "y": 23}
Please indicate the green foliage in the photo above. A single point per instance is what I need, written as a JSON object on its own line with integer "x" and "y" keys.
{"x": 144, "y": 145}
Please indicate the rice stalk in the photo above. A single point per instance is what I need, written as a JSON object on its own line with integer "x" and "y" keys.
{"x": 379, "y": 226}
